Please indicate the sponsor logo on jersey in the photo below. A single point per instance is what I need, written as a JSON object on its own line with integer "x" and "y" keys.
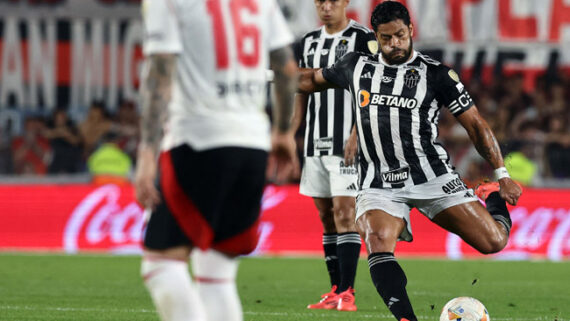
{"x": 324, "y": 143}
{"x": 388, "y": 101}
{"x": 341, "y": 48}
{"x": 454, "y": 186}
{"x": 324, "y": 52}
{"x": 366, "y": 75}
{"x": 411, "y": 78}
{"x": 363, "y": 98}
{"x": 386, "y": 79}
{"x": 397, "y": 175}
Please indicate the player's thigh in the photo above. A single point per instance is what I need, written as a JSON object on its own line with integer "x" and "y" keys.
{"x": 390, "y": 209}
{"x": 380, "y": 230}
{"x": 470, "y": 221}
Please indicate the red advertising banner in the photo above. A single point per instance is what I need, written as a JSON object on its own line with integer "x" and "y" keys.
{"x": 80, "y": 218}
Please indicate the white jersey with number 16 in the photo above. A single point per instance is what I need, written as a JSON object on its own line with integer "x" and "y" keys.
{"x": 223, "y": 50}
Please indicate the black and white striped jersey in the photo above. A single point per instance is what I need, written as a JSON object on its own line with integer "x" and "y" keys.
{"x": 329, "y": 116}
{"x": 397, "y": 113}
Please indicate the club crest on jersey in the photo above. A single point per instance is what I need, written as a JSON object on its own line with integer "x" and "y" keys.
{"x": 411, "y": 78}
{"x": 396, "y": 175}
{"x": 341, "y": 48}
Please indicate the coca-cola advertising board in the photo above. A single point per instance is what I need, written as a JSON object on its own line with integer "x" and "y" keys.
{"x": 82, "y": 218}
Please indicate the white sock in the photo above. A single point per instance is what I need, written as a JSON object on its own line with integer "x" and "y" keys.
{"x": 172, "y": 291}
{"x": 215, "y": 276}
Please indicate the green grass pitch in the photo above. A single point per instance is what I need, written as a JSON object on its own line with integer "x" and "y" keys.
{"x": 89, "y": 287}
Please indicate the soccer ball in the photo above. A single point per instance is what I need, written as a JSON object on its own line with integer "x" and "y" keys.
{"x": 464, "y": 308}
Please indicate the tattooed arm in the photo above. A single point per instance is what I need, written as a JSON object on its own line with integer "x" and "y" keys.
{"x": 155, "y": 93}
{"x": 285, "y": 82}
{"x": 283, "y": 161}
{"x": 486, "y": 144}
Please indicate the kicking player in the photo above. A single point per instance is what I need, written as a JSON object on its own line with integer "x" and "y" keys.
{"x": 398, "y": 93}
{"x": 329, "y": 172}
{"x": 205, "y": 74}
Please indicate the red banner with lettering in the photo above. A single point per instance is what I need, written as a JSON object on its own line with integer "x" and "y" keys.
{"x": 80, "y": 218}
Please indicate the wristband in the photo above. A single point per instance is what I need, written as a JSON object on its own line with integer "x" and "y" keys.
{"x": 501, "y": 172}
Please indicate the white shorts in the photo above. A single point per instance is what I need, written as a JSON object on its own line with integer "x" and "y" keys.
{"x": 430, "y": 198}
{"x": 327, "y": 177}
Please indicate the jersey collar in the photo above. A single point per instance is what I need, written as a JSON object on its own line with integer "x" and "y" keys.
{"x": 382, "y": 61}
{"x": 332, "y": 35}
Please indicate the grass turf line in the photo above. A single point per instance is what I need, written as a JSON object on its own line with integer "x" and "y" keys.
{"x": 86, "y": 287}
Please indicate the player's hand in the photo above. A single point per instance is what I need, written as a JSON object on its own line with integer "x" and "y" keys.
{"x": 145, "y": 175}
{"x": 350, "y": 150}
{"x": 283, "y": 162}
{"x": 509, "y": 190}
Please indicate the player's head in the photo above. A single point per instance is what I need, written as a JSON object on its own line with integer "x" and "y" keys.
{"x": 393, "y": 28}
{"x": 331, "y": 11}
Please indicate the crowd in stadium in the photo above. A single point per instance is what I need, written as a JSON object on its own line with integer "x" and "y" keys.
{"x": 533, "y": 129}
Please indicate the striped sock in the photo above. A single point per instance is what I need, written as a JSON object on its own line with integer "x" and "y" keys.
{"x": 348, "y": 251}
{"x": 390, "y": 282}
{"x": 331, "y": 258}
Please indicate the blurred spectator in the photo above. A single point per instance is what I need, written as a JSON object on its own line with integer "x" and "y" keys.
{"x": 65, "y": 142}
{"x": 31, "y": 151}
{"x": 126, "y": 124}
{"x": 95, "y": 125}
{"x": 109, "y": 163}
{"x": 5, "y": 148}
{"x": 558, "y": 146}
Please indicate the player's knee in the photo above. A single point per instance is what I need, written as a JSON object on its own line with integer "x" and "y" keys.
{"x": 493, "y": 244}
{"x": 213, "y": 265}
{"x": 380, "y": 240}
{"x": 344, "y": 216}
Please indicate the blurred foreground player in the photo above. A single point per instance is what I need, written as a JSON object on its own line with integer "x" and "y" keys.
{"x": 398, "y": 94}
{"x": 205, "y": 77}
{"x": 329, "y": 171}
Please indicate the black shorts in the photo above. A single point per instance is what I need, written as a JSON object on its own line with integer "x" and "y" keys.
{"x": 210, "y": 199}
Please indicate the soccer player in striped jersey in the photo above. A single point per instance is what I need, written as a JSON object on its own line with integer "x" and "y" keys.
{"x": 398, "y": 94}
{"x": 205, "y": 73}
{"x": 329, "y": 173}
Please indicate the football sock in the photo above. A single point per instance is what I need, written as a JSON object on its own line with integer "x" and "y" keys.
{"x": 348, "y": 251}
{"x": 497, "y": 207}
{"x": 215, "y": 275}
{"x": 331, "y": 258}
{"x": 171, "y": 290}
{"x": 390, "y": 282}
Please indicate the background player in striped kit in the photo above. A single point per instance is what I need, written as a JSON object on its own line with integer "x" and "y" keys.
{"x": 329, "y": 173}
{"x": 399, "y": 94}
{"x": 205, "y": 73}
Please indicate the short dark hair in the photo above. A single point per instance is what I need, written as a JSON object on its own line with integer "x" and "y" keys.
{"x": 389, "y": 11}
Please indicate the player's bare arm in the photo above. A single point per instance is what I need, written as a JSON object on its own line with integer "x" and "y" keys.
{"x": 155, "y": 91}
{"x": 351, "y": 148}
{"x": 300, "y": 112}
{"x": 285, "y": 70}
{"x": 312, "y": 80}
{"x": 486, "y": 144}
{"x": 283, "y": 161}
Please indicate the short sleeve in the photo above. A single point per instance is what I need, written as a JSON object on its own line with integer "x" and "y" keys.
{"x": 298, "y": 50}
{"x": 279, "y": 35}
{"x": 341, "y": 72}
{"x": 367, "y": 43}
{"x": 161, "y": 29}
{"x": 451, "y": 92}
